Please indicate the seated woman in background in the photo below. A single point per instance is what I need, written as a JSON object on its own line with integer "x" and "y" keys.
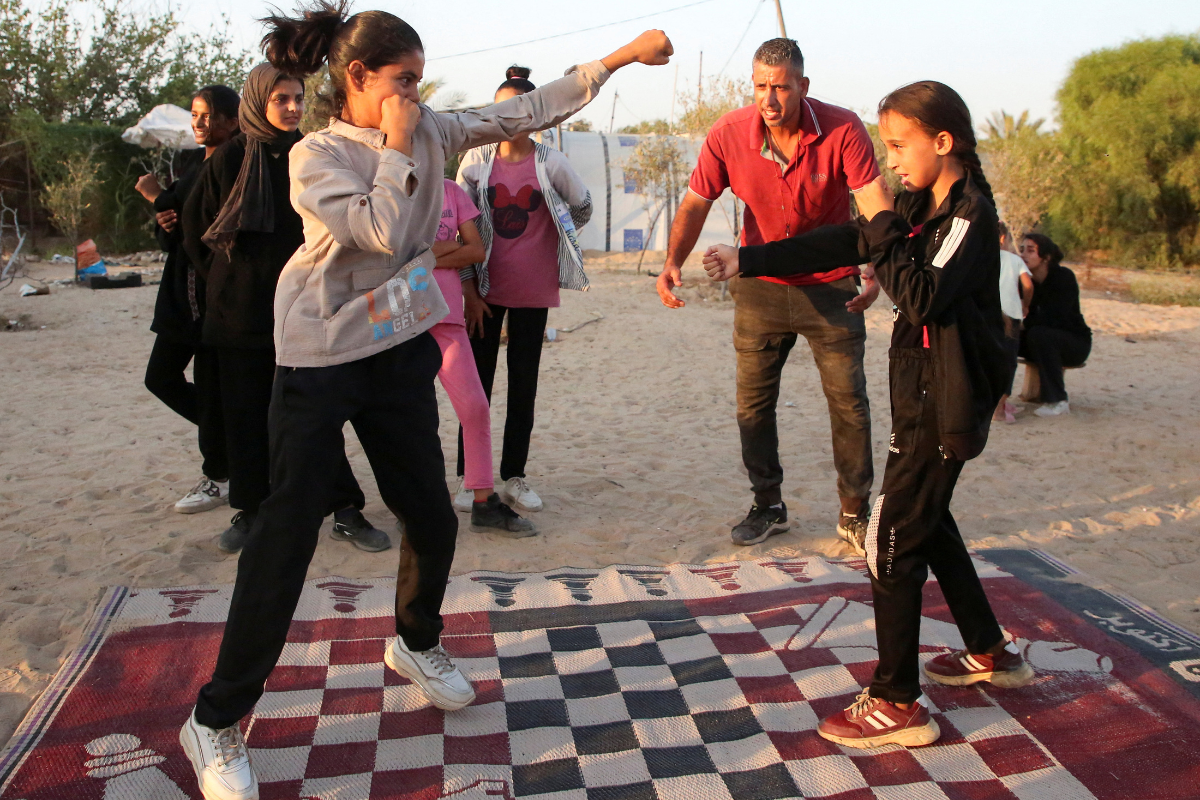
{"x": 1055, "y": 335}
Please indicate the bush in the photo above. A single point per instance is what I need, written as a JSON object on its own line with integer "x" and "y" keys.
{"x": 1166, "y": 290}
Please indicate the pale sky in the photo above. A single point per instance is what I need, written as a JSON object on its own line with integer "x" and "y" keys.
{"x": 1010, "y": 55}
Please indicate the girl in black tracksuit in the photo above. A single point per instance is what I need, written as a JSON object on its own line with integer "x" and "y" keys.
{"x": 938, "y": 259}
{"x": 179, "y": 306}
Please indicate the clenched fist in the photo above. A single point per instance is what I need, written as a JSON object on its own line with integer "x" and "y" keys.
{"x": 399, "y": 119}
{"x": 652, "y": 47}
{"x": 721, "y": 262}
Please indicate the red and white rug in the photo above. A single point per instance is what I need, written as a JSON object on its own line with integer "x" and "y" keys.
{"x": 629, "y": 683}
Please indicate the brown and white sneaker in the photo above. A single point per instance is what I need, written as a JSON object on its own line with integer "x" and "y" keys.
{"x": 1007, "y": 669}
{"x": 872, "y": 722}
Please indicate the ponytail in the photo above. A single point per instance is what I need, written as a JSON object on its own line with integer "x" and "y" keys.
{"x": 970, "y": 160}
{"x": 324, "y": 34}
{"x": 301, "y": 46}
{"x": 517, "y": 79}
{"x": 936, "y": 108}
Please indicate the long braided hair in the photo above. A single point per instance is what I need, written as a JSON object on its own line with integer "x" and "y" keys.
{"x": 936, "y": 108}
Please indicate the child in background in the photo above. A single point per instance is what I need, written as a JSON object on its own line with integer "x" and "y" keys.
{"x": 1016, "y": 289}
{"x": 937, "y": 257}
{"x": 533, "y": 202}
{"x": 458, "y": 375}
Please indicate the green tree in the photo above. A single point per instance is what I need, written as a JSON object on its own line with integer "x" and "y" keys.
{"x": 1003, "y": 125}
{"x": 1025, "y": 167}
{"x": 656, "y": 126}
{"x": 68, "y": 199}
{"x": 702, "y": 109}
{"x": 658, "y": 170}
{"x": 1130, "y": 127}
{"x": 112, "y": 69}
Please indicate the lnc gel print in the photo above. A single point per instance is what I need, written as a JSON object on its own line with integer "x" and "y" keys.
{"x": 510, "y": 212}
{"x": 390, "y": 320}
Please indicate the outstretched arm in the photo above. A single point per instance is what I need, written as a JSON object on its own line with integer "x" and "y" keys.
{"x": 819, "y": 250}
{"x": 550, "y": 104}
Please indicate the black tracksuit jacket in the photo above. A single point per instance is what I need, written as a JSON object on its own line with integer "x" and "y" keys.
{"x": 179, "y": 306}
{"x": 944, "y": 280}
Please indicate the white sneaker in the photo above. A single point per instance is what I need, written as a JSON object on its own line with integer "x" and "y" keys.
{"x": 517, "y": 492}
{"x": 1053, "y": 409}
{"x": 221, "y": 761}
{"x": 207, "y": 495}
{"x": 434, "y": 672}
{"x": 463, "y": 497}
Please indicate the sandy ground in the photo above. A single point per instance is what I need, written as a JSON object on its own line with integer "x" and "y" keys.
{"x": 635, "y": 453}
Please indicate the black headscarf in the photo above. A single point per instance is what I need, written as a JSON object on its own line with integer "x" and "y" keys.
{"x": 249, "y": 206}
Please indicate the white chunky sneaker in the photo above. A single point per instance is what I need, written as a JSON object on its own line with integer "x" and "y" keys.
{"x": 207, "y": 495}
{"x": 434, "y": 672}
{"x": 463, "y": 497}
{"x": 1053, "y": 409}
{"x": 517, "y": 492}
{"x": 221, "y": 761}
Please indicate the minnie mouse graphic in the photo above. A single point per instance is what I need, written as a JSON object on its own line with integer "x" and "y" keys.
{"x": 510, "y": 212}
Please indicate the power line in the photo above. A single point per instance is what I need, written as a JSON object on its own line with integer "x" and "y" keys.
{"x": 753, "y": 17}
{"x": 571, "y": 33}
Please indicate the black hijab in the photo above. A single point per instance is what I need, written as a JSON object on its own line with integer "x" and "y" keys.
{"x": 249, "y": 206}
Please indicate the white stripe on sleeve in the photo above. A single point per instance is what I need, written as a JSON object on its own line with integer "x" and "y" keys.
{"x": 958, "y": 232}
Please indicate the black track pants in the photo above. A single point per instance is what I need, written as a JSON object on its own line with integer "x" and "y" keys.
{"x": 389, "y": 399}
{"x": 526, "y": 330}
{"x": 198, "y": 402}
{"x": 912, "y": 531}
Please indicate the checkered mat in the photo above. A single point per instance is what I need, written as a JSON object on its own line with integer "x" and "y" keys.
{"x": 629, "y": 683}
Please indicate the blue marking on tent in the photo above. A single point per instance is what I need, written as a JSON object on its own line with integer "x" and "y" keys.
{"x": 630, "y": 183}
{"x": 627, "y": 141}
{"x": 633, "y": 239}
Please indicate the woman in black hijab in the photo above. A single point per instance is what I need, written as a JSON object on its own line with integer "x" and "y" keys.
{"x": 240, "y": 230}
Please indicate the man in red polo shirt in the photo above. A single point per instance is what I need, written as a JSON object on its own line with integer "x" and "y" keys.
{"x": 793, "y": 161}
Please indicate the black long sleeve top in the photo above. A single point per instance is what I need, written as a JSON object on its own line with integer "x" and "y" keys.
{"x": 943, "y": 277}
{"x": 241, "y": 287}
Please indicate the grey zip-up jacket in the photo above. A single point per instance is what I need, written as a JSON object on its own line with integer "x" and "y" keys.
{"x": 360, "y": 283}
{"x": 567, "y": 198}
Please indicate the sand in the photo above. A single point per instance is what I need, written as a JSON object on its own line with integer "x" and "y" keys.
{"x": 635, "y": 454}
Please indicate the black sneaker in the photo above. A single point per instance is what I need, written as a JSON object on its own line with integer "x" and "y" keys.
{"x": 853, "y": 531}
{"x": 493, "y": 516}
{"x": 760, "y": 524}
{"x": 234, "y": 537}
{"x": 351, "y": 526}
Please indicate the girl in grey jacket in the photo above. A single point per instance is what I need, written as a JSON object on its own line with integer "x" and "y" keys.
{"x": 352, "y": 311}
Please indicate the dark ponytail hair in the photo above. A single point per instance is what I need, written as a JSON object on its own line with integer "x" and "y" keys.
{"x": 517, "y": 79}
{"x": 325, "y": 34}
{"x": 1046, "y": 248}
{"x": 222, "y": 101}
{"x": 936, "y": 108}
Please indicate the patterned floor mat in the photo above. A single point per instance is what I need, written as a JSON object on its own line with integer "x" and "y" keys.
{"x": 630, "y": 683}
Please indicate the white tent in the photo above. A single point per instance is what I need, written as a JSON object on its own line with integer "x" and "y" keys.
{"x": 165, "y": 126}
{"x": 619, "y": 220}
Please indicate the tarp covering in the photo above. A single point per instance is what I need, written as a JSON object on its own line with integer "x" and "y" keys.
{"x": 619, "y": 220}
{"x": 164, "y": 126}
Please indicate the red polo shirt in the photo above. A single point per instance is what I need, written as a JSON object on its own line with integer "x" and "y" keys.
{"x": 834, "y": 156}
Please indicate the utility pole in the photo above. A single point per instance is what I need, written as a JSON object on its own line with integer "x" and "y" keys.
{"x": 700, "y": 80}
{"x": 613, "y": 118}
{"x": 779, "y": 13}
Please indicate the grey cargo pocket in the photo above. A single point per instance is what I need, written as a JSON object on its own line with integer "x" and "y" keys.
{"x": 364, "y": 280}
